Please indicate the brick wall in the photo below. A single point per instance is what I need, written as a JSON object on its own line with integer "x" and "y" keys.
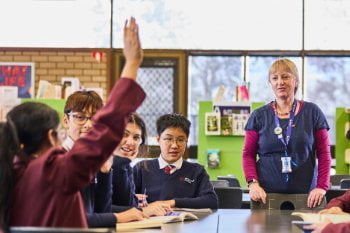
{"x": 52, "y": 65}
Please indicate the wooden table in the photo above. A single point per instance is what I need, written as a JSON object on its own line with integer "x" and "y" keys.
{"x": 235, "y": 220}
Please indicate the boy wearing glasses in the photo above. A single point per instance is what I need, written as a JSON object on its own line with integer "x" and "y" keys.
{"x": 170, "y": 179}
{"x": 78, "y": 111}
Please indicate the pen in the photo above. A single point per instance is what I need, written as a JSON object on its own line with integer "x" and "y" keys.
{"x": 144, "y": 200}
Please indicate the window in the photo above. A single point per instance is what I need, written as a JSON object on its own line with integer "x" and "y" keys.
{"x": 257, "y": 76}
{"x": 158, "y": 78}
{"x": 326, "y": 22}
{"x": 327, "y": 85}
{"x": 39, "y": 23}
{"x": 213, "y": 24}
{"x": 206, "y": 74}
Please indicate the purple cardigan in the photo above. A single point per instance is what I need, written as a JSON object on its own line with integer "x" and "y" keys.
{"x": 47, "y": 189}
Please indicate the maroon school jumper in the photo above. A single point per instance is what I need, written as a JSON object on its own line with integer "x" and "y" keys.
{"x": 47, "y": 190}
{"x": 342, "y": 202}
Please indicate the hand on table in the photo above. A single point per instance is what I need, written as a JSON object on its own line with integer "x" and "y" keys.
{"x": 156, "y": 209}
{"x": 257, "y": 193}
{"x": 129, "y": 215}
{"x": 315, "y": 197}
{"x": 318, "y": 227}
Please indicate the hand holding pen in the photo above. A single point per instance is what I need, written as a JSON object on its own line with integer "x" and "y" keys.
{"x": 142, "y": 198}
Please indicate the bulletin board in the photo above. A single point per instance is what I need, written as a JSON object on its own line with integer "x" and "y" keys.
{"x": 18, "y": 74}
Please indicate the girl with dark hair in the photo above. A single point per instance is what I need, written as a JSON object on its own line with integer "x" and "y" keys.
{"x": 133, "y": 144}
{"x": 21, "y": 140}
{"x": 40, "y": 185}
{"x": 127, "y": 150}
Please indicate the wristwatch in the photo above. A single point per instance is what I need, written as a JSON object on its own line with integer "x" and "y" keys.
{"x": 252, "y": 181}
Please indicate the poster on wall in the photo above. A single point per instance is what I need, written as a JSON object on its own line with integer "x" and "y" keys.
{"x": 18, "y": 74}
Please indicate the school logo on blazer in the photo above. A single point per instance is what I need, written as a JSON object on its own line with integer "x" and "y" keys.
{"x": 186, "y": 179}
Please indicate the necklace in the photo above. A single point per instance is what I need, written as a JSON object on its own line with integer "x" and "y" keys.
{"x": 282, "y": 113}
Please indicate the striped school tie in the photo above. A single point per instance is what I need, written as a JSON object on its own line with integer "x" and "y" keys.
{"x": 167, "y": 169}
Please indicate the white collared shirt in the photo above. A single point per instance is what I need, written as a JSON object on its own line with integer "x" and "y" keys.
{"x": 68, "y": 143}
{"x": 163, "y": 164}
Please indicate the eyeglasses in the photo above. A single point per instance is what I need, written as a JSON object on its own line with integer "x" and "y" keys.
{"x": 179, "y": 141}
{"x": 80, "y": 119}
{"x": 284, "y": 76}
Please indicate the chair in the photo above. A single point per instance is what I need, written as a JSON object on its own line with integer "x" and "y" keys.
{"x": 59, "y": 230}
{"x": 345, "y": 183}
{"x": 233, "y": 181}
{"x": 279, "y": 201}
{"x": 220, "y": 183}
{"x": 229, "y": 197}
{"x": 335, "y": 179}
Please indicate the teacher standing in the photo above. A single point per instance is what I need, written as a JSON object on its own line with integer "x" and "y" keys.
{"x": 287, "y": 135}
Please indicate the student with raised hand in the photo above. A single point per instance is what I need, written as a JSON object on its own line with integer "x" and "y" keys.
{"x": 132, "y": 145}
{"x": 40, "y": 183}
{"x": 170, "y": 179}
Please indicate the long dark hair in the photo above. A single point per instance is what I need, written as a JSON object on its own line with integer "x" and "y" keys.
{"x": 137, "y": 120}
{"x": 24, "y": 132}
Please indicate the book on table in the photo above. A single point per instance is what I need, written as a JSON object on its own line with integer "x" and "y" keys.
{"x": 157, "y": 221}
{"x": 201, "y": 210}
{"x": 316, "y": 218}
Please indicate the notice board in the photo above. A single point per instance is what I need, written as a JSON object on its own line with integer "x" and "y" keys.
{"x": 18, "y": 74}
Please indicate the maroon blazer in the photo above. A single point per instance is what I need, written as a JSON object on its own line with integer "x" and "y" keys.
{"x": 343, "y": 202}
{"x": 47, "y": 189}
{"x": 337, "y": 228}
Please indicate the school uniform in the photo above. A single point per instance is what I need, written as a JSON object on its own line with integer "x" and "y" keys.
{"x": 47, "y": 188}
{"x": 97, "y": 196}
{"x": 342, "y": 202}
{"x": 123, "y": 183}
{"x": 188, "y": 183}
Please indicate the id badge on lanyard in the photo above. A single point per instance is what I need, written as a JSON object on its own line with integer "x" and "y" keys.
{"x": 285, "y": 160}
{"x": 286, "y": 164}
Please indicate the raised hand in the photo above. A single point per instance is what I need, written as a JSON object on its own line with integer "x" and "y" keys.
{"x": 132, "y": 49}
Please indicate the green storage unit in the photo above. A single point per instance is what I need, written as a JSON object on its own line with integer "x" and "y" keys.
{"x": 341, "y": 142}
{"x": 230, "y": 147}
{"x": 57, "y": 104}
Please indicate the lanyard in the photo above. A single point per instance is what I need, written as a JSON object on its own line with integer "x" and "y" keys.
{"x": 278, "y": 129}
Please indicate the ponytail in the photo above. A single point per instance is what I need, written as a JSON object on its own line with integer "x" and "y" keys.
{"x": 9, "y": 147}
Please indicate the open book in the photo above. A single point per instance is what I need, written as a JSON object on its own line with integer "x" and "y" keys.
{"x": 157, "y": 221}
{"x": 203, "y": 210}
{"x": 315, "y": 218}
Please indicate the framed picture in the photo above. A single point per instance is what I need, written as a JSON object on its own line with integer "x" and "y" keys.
{"x": 212, "y": 123}
{"x": 238, "y": 123}
{"x": 213, "y": 158}
{"x": 226, "y": 125}
{"x": 18, "y": 74}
